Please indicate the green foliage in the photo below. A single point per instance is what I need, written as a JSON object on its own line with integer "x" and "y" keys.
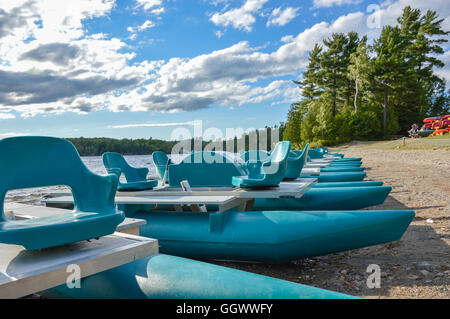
{"x": 99, "y": 145}
{"x": 352, "y": 90}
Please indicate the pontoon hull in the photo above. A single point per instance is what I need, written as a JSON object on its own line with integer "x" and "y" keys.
{"x": 339, "y": 177}
{"x": 169, "y": 277}
{"x": 337, "y": 198}
{"x": 269, "y": 236}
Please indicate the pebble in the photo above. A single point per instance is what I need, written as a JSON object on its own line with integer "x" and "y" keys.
{"x": 344, "y": 272}
{"x": 424, "y": 265}
{"x": 430, "y": 221}
{"x": 425, "y": 272}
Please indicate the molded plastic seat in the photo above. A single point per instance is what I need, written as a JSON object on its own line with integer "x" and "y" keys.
{"x": 161, "y": 162}
{"x": 295, "y": 164}
{"x": 255, "y": 155}
{"x": 136, "y": 178}
{"x": 201, "y": 168}
{"x": 27, "y": 162}
{"x": 268, "y": 173}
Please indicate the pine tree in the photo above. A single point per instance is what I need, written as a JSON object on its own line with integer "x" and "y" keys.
{"x": 390, "y": 68}
{"x": 311, "y": 77}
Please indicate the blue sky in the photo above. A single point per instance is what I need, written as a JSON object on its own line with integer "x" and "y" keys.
{"x": 141, "y": 68}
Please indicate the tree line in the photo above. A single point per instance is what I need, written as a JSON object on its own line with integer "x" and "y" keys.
{"x": 355, "y": 90}
{"x": 99, "y": 145}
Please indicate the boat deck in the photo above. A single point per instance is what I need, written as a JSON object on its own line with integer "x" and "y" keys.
{"x": 24, "y": 272}
{"x": 25, "y": 211}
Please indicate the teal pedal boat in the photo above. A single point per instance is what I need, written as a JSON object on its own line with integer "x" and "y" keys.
{"x": 344, "y": 168}
{"x": 345, "y": 164}
{"x": 332, "y": 198}
{"x": 219, "y": 173}
{"x": 348, "y": 184}
{"x": 328, "y": 177}
{"x": 169, "y": 277}
{"x": 33, "y": 161}
{"x": 268, "y": 236}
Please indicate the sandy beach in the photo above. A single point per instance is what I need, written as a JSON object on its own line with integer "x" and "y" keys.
{"x": 417, "y": 266}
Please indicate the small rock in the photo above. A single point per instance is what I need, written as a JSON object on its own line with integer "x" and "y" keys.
{"x": 413, "y": 277}
{"x": 424, "y": 265}
{"x": 425, "y": 272}
{"x": 430, "y": 221}
{"x": 428, "y": 281}
{"x": 344, "y": 272}
{"x": 439, "y": 274}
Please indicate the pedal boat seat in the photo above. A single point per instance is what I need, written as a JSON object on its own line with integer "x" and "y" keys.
{"x": 136, "y": 178}
{"x": 27, "y": 162}
{"x": 268, "y": 173}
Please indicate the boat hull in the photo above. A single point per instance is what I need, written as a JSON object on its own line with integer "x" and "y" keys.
{"x": 337, "y": 198}
{"x": 345, "y": 168}
{"x": 348, "y": 184}
{"x": 269, "y": 236}
{"x": 339, "y": 177}
{"x": 351, "y": 164}
{"x": 170, "y": 277}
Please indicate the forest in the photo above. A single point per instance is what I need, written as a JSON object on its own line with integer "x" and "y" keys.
{"x": 99, "y": 145}
{"x": 356, "y": 90}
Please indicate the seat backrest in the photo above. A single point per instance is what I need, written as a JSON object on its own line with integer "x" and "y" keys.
{"x": 205, "y": 169}
{"x": 305, "y": 151}
{"x": 116, "y": 160}
{"x": 278, "y": 159}
{"x": 160, "y": 160}
{"x": 280, "y": 152}
{"x": 36, "y": 161}
{"x": 255, "y": 155}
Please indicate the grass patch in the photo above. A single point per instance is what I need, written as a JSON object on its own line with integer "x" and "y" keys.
{"x": 426, "y": 143}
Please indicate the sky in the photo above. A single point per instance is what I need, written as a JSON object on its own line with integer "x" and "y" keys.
{"x": 145, "y": 68}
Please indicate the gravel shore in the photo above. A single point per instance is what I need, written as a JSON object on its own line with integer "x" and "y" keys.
{"x": 417, "y": 266}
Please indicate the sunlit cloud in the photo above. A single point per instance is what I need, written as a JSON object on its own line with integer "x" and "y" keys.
{"x": 190, "y": 123}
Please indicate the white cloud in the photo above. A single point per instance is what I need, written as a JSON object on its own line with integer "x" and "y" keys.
{"x": 6, "y": 116}
{"x": 148, "y": 4}
{"x": 330, "y": 3}
{"x": 12, "y": 134}
{"x": 157, "y": 11}
{"x": 79, "y": 73}
{"x": 282, "y": 17}
{"x": 146, "y": 25}
{"x": 445, "y": 71}
{"x": 190, "y": 123}
{"x": 219, "y": 33}
{"x": 287, "y": 38}
{"x": 239, "y": 18}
